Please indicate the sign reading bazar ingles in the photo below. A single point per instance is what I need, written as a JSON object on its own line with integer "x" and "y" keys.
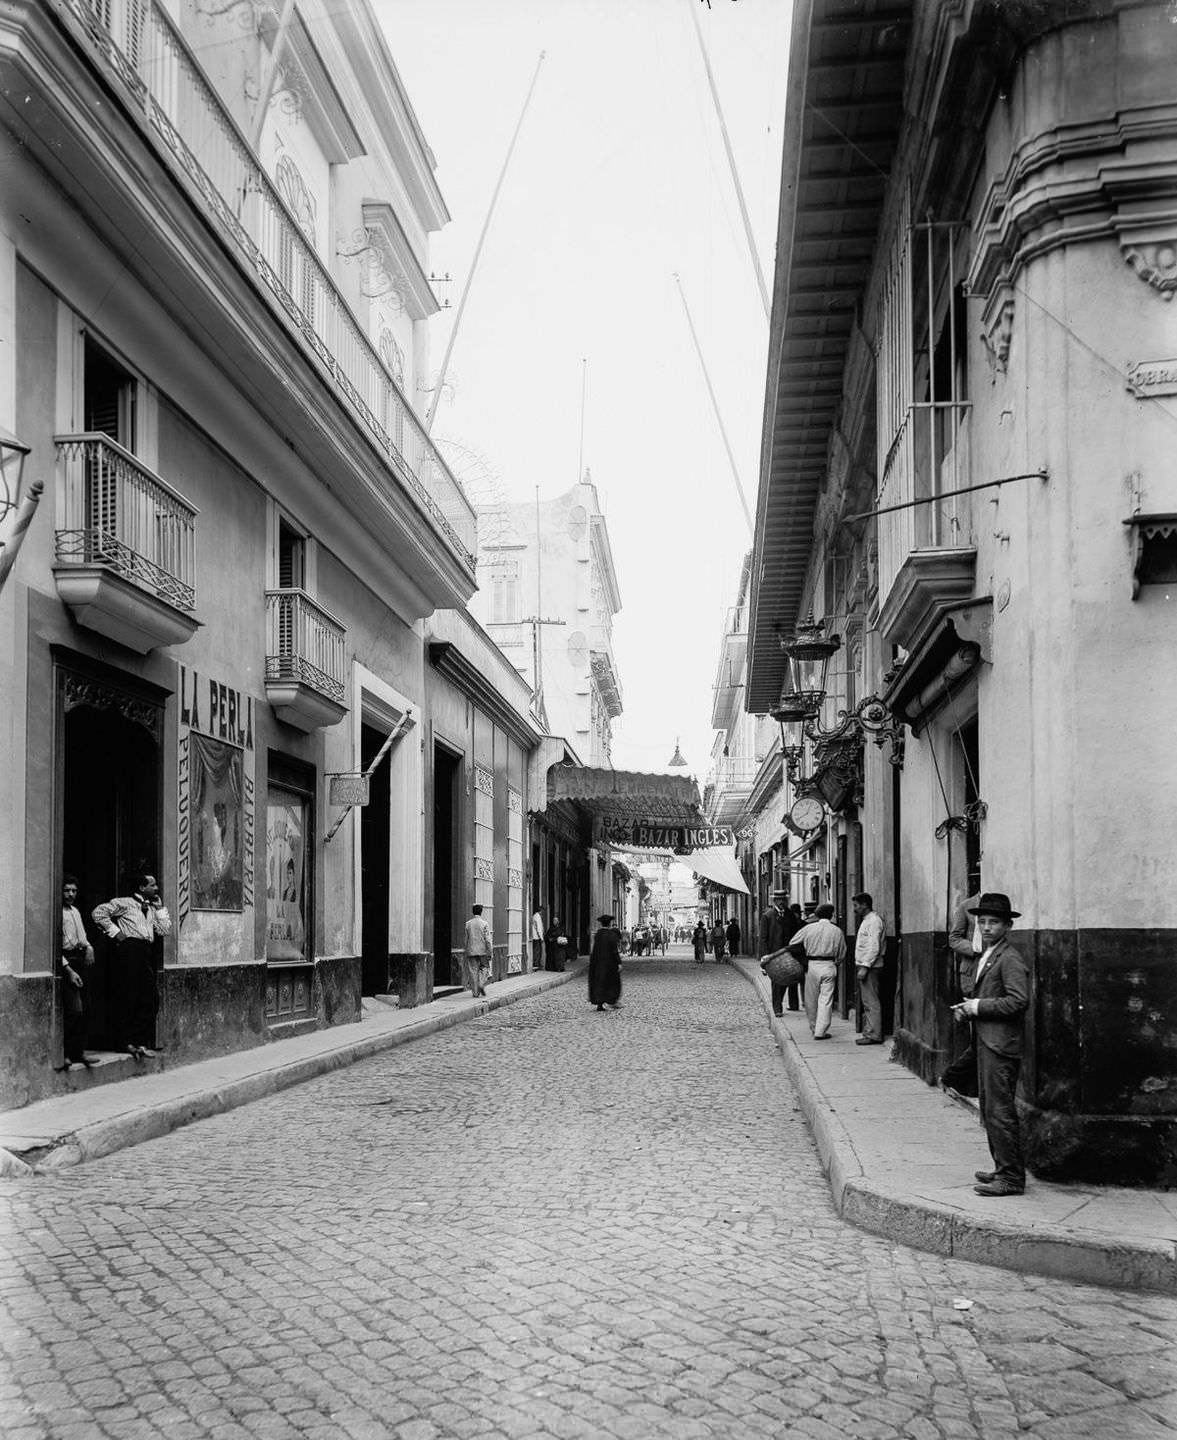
{"x": 649, "y": 835}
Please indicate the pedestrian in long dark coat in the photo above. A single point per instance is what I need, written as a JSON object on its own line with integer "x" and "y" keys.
{"x": 733, "y": 936}
{"x": 604, "y": 974}
{"x": 699, "y": 940}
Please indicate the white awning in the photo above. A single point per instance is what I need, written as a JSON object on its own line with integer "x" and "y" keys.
{"x": 719, "y": 866}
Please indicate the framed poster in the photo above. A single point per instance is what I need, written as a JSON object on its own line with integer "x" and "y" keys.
{"x": 216, "y": 807}
{"x": 286, "y": 875}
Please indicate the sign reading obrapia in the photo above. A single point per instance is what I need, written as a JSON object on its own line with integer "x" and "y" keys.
{"x": 630, "y": 834}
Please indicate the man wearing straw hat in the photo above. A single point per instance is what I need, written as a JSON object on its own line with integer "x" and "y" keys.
{"x": 998, "y": 1004}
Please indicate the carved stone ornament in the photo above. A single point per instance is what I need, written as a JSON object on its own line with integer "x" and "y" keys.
{"x": 997, "y": 331}
{"x": 381, "y": 277}
{"x": 1155, "y": 262}
{"x": 80, "y": 691}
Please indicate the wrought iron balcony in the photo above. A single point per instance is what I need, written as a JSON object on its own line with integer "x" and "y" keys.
{"x": 144, "y": 47}
{"x": 306, "y": 661}
{"x": 126, "y": 551}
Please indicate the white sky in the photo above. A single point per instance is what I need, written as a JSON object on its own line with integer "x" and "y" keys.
{"x": 619, "y": 180}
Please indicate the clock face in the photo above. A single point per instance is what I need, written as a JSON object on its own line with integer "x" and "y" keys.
{"x": 807, "y": 813}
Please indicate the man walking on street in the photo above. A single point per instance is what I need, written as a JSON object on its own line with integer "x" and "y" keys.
{"x": 478, "y": 952}
{"x": 778, "y": 926}
{"x": 869, "y": 940}
{"x": 823, "y": 946}
{"x": 1001, "y": 996}
{"x": 131, "y": 923}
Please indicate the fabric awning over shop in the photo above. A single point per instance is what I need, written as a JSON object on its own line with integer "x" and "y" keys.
{"x": 628, "y": 794}
{"x": 719, "y": 866}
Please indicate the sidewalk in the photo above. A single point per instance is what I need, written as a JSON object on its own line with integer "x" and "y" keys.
{"x": 91, "y": 1122}
{"x": 900, "y": 1156}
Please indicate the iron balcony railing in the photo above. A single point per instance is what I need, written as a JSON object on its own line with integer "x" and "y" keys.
{"x": 304, "y": 644}
{"x": 115, "y": 512}
{"x": 142, "y": 44}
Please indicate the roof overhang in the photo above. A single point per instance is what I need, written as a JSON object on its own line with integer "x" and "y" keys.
{"x": 842, "y": 119}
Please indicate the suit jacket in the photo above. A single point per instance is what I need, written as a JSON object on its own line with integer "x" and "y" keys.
{"x": 960, "y": 942}
{"x": 777, "y": 928}
{"x": 1003, "y": 997}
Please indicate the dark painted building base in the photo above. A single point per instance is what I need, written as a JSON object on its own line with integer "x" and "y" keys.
{"x": 411, "y": 979}
{"x": 1099, "y": 1085}
{"x": 204, "y": 1011}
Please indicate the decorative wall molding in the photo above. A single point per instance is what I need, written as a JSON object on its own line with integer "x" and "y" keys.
{"x": 1154, "y": 260}
{"x": 997, "y": 328}
{"x": 80, "y": 690}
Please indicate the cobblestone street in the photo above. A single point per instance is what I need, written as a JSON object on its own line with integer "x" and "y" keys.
{"x": 545, "y": 1222}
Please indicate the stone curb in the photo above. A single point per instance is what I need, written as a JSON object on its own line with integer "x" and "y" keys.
{"x": 1040, "y": 1249}
{"x": 150, "y": 1121}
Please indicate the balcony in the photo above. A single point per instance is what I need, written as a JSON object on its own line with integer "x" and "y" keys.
{"x": 305, "y": 661}
{"x": 729, "y": 677}
{"x": 146, "y": 58}
{"x": 126, "y": 552}
{"x": 730, "y": 786}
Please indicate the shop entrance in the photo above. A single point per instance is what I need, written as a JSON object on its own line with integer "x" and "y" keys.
{"x": 375, "y": 856}
{"x": 446, "y": 854}
{"x": 109, "y": 817}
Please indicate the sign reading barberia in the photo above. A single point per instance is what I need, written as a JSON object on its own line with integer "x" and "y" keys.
{"x": 635, "y": 835}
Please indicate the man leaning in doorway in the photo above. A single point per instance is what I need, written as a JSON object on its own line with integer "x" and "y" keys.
{"x": 823, "y": 946}
{"x": 478, "y": 952}
{"x": 1000, "y": 999}
{"x": 77, "y": 956}
{"x": 131, "y": 924}
{"x": 869, "y": 940}
{"x": 964, "y": 940}
{"x": 537, "y": 938}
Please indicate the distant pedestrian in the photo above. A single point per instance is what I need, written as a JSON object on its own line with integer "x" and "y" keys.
{"x": 823, "y": 947}
{"x": 1001, "y": 996}
{"x": 719, "y": 942}
{"x": 604, "y": 975}
{"x": 555, "y": 945}
{"x": 131, "y": 923}
{"x": 733, "y": 937}
{"x": 699, "y": 941}
{"x": 478, "y": 952}
{"x": 77, "y": 958}
{"x": 869, "y": 943}
{"x": 537, "y": 939}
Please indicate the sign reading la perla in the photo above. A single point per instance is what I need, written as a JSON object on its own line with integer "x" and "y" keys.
{"x": 1147, "y": 378}
{"x": 216, "y": 709}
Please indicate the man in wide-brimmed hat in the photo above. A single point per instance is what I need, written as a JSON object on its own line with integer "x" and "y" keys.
{"x": 998, "y": 1004}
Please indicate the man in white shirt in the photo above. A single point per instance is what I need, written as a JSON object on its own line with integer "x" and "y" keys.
{"x": 131, "y": 924}
{"x": 537, "y": 939}
{"x": 77, "y": 954}
{"x": 479, "y": 951}
{"x": 870, "y": 938}
{"x": 823, "y": 946}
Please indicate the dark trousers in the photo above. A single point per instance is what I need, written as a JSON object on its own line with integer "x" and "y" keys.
{"x": 961, "y": 1075}
{"x": 997, "y": 1077}
{"x": 138, "y": 992}
{"x": 778, "y": 997}
{"x": 73, "y": 1017}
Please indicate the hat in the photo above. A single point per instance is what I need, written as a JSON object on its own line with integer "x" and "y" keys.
{"x": 780, "y": 894}
{"x": 604, "y": 919}
{"x": 995, "y": 904}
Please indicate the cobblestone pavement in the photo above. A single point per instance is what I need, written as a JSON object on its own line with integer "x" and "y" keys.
{"x": 545, "y": 1222}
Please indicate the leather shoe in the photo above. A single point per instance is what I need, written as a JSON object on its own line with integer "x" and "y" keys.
{"x": 826, "y": 1036}
{"x": 986, "y": 1177}
{"x": 1000, "y": 1187}
{"x": 863, "y": 1040}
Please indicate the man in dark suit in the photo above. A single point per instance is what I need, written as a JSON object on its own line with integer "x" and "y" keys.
{"x": 997, "y": 1006}
{"x": 778, "y": 925}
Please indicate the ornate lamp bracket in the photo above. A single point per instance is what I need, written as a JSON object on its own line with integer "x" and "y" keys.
{"x": 870, "y": 717}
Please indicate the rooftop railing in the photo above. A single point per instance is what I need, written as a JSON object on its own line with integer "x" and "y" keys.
{"x": 143, "y": 46}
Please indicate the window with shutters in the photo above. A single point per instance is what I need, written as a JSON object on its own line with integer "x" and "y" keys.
{"x": 108, "y": 404}
{"x": 922, "y": 392}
